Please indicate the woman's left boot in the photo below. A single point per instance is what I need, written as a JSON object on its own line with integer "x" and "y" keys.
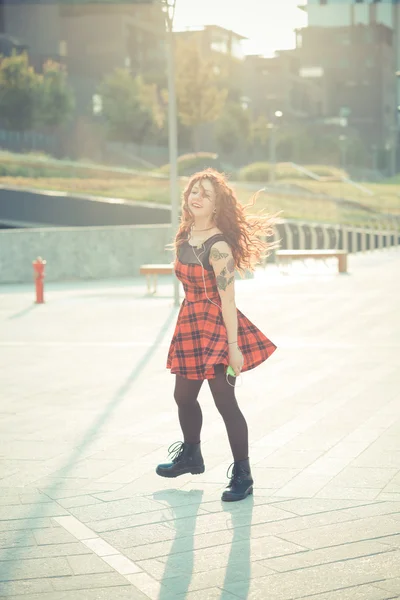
{"x": 241, "y": 483}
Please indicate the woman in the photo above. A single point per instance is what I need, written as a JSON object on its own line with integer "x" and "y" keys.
{"x": 214, "y": 239}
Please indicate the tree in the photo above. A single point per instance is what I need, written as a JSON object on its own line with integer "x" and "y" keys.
{"x": 55, "y": 100}
{"x": 233, "y": 128}
{"x": 128, "y": 114}
{"x": 200, "y": 100}
{"x": 259, "y": 131}
{"x": 18, "y": 92}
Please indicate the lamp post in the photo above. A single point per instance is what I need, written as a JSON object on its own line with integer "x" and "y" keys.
{"x": 168, "y": 7}
{"x": 343, "y": 151}
{"x": 272, "y": 146}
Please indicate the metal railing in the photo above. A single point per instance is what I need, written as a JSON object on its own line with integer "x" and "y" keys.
{"x": 303, "y": 235}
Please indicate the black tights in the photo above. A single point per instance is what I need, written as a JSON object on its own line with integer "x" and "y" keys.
{"x": 191, "y": 417}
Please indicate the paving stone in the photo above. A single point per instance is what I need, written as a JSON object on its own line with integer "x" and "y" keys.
{"x": 351, "y": 531}
{"x": 48, "y": 550}
{"x": 100, "y": 547}
{"x": 41, "y": 510}
{"x": 54, "y": 535}
{"x": 301, "y": 506}
{"x": 325, "y": 555}
{"x": 360, "y": 592}
{"x": 18, "y": 498}
{"x": 391, "y": 540}
{"x": 160, "y": 549}
{"x": 120, "y": 592}
{"x": 87, "y": 564}
{"x": 137, "y": 536}
{"x": 42, "y": 596}
{"x": 321, "y": 579}
{"x": 74, "y": 528}
{"x": 150, "y": 587}
{"x": 27, "y": 586}
{"x": 237, "y": 552}
{"x": 84, "y": 500}
{"x": 391, "y": 585}
{"x": 122, "y": 564}
{"x": 235, "y": 572}
{"x": 25, "y": 524}
{"x": 34, "y": 568}
{"x": 159, "y": 570}
{"x": 364, "y": 477}
{"x": 89, "y": 581}
{"x": 9, "y": 539}
{"x": 144, "y": 518}
{"x": 332, "y": 490}
{"x": 156, "y": 591}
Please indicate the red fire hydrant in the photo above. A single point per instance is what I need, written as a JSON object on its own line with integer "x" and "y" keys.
{"x": 38, "y": 268}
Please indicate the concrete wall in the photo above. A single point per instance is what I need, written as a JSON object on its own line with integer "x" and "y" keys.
{"x": 82, "y": 253}
{"x": 118, "y": 251}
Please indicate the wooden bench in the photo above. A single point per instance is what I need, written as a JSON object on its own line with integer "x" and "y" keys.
{"x": 287, "y": 255}
{"x": 151, "y": 272}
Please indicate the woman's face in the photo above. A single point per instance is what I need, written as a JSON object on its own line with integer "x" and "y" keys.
{"x": 202, "y": 199}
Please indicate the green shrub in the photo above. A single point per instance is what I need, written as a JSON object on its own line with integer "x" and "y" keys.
{"x": 38, "y": 167}
{"x": 259, "y": 172}
{"x": 191, "y": 163}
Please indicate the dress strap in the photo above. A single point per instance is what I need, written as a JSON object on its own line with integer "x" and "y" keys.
{"x": 218, "y": 237}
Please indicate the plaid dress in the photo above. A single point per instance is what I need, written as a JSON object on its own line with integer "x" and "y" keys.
{"x": 200, "y": 340}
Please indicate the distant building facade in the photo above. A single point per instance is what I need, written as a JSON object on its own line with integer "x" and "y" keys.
{"x": 275, "y": 84}
{"x": 355, "y": 67}
{"x": 91, "y": 40}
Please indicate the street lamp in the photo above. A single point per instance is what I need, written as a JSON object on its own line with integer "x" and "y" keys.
{"x": 168, "y": 7}
{"x": 272, "y": 146}
{"x": 343, "y": 151}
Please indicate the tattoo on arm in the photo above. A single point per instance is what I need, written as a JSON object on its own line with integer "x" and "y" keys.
{"x": 230, "y": 265}
{"x": 217, "y": 255}
{"x": 223, "y": 282}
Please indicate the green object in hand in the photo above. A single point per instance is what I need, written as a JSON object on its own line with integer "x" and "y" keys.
{"x": 230, "y": 371}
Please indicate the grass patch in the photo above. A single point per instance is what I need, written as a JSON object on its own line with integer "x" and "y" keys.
{"x": 145, "y": 189}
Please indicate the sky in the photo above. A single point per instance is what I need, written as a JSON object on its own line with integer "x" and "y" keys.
{"x": 268, "y": 24}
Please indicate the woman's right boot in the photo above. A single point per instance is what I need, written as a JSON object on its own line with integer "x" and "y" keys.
{"x": 186, "y": 458}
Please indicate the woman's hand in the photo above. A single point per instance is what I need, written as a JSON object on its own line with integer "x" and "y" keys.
{"x": 235, "y": 359}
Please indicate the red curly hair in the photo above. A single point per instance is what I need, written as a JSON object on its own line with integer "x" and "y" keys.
{"x": 244, "y": 234}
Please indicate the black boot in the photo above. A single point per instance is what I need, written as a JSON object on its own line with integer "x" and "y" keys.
{"x": 241, "y": 483}
{"x": 186, "y": 458}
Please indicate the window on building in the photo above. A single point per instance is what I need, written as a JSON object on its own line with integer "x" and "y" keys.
{"x": 236, "y": 49}
{"x": 359, "y": 1}
{"x": 62, "y": 48}
{"x": 323, "y": 1}
{"x": 220, "y": 45}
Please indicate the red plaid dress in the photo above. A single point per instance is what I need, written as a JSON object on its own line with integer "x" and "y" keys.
{"x": 200, "y": 341}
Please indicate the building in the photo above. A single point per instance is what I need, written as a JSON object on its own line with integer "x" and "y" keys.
{"x": 215, "y": 41}
{"x": 224, "y": 48}
{"x": 349, "y": 13}
{"x": 355, "y": 66}
{"x": 275, "y": 84}
{"x": 90, "y": 39}
{"x": 346, "y": 13}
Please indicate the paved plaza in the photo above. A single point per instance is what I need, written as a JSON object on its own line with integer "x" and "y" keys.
{"x": 87, "y": 412}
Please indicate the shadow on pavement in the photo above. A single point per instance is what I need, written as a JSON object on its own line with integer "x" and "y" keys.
{"x": 180, "y": 562}
{"x": 183, "y": 542}
{"x": 23, "y": 312}
{"x": 11, "y": 554}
